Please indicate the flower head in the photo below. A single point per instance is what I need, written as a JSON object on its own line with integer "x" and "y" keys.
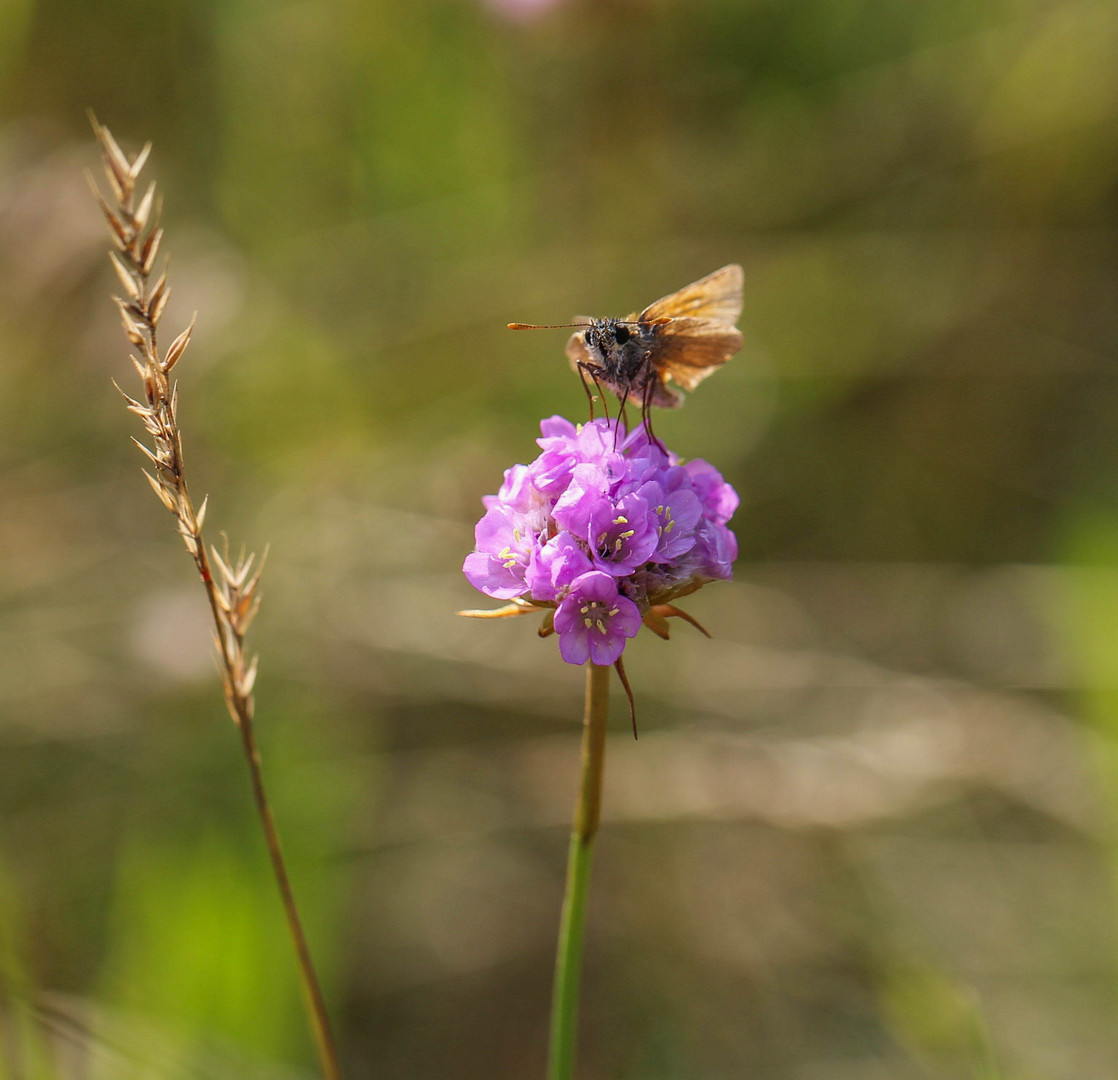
{"x": 605, "y": 532}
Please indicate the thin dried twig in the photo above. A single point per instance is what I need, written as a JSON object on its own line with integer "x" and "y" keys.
{"x": 232, "y": 590}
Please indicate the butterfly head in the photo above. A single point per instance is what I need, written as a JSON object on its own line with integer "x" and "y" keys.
{"x": 619, "y": 347}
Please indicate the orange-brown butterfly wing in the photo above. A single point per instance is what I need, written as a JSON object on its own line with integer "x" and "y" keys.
{"x": 689, "y": 349}
{"x": 716, "y": 296}
{"x": 577, "y": 352}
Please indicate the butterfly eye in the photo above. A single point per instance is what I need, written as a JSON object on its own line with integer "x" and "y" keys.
{"x": 621, "y": 334}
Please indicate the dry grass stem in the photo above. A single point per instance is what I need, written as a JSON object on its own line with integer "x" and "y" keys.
{"x": 232, "y": 589}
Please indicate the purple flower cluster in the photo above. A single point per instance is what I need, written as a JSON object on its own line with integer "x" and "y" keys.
{"x": 602, "y": 530}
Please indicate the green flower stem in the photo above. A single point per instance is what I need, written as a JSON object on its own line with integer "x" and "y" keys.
{"x": 568, "y": 961}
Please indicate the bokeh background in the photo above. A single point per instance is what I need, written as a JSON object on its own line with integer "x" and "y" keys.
{"x": 868, "y": 830}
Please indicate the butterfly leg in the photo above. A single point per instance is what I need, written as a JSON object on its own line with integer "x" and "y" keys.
{"x": 646, "y": 413}
{"x": 585, "y": 369}
{"x": 622, "y": 419}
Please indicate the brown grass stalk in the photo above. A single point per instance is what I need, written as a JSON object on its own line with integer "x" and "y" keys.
{"x": 232, "y": 589}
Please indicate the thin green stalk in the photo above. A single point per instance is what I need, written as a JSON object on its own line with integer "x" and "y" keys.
{"x": 316, "y": 1004}
{"x": 568, "y": 961}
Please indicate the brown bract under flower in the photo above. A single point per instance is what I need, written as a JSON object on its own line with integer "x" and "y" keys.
{"x": 655, "y": 618}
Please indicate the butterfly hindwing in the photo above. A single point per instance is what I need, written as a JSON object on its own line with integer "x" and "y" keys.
{"x": 689, "y": 349}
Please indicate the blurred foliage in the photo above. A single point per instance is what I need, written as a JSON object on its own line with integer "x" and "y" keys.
{"x": 868, "y": 830}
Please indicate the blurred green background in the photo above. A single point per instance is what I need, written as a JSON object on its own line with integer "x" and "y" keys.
{"x": 868, "y": 830}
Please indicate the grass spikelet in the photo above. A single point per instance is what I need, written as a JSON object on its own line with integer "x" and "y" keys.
{"x": 231, "y": 585}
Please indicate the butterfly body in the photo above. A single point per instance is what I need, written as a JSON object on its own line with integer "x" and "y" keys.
{"x": 679, "y": 338}
{"x": 621, "y": 354}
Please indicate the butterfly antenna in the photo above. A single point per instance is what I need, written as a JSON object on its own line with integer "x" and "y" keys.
{"x": 568, "y": 325}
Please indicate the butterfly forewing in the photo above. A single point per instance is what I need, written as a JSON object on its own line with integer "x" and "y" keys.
{"x": 577, "y": 352}
{"x": 717, "y": 296}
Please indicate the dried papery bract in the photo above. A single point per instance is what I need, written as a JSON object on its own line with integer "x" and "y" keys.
{"x": 231, "y": 585}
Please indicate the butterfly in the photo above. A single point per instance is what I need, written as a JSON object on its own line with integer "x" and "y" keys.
{"x": 680, "y": 338}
